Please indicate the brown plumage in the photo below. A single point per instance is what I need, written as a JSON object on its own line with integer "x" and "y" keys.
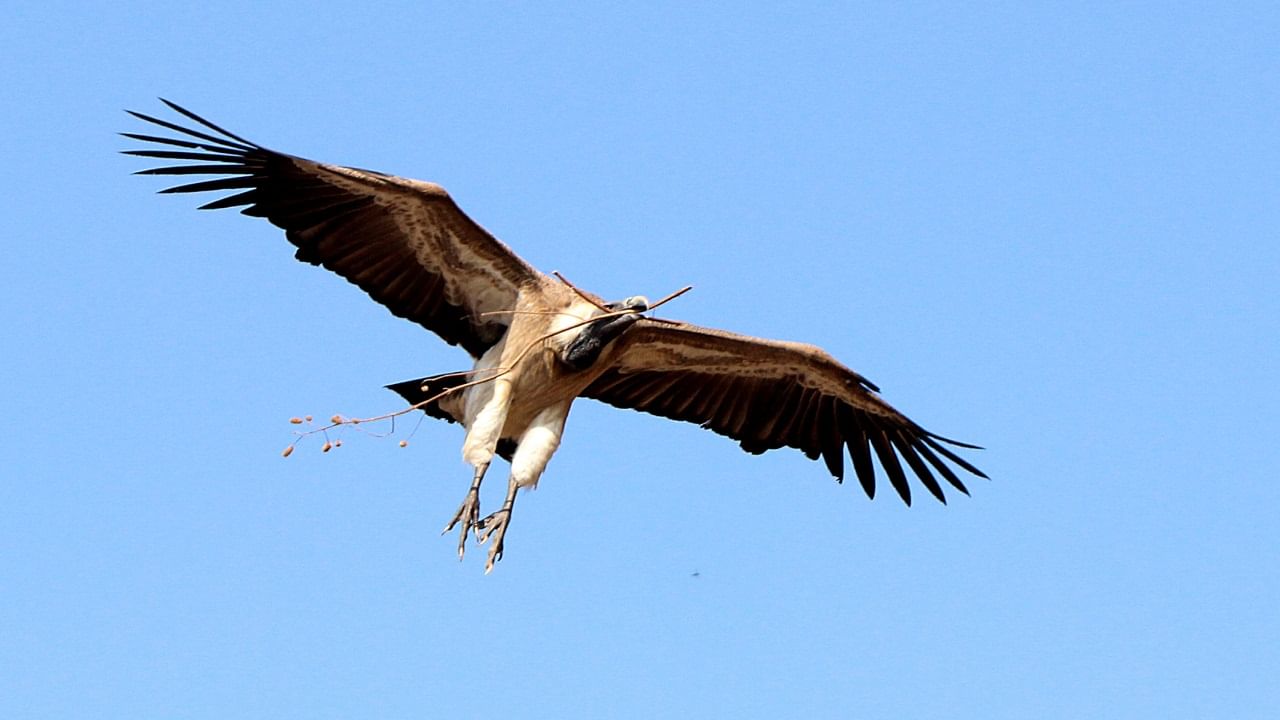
{"x": 411, "y": 248}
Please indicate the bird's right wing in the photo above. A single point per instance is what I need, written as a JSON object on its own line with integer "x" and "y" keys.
{"x": 404, "y": 242}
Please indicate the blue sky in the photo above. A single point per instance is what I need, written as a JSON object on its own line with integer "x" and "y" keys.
{"x": 1050, "y": 229}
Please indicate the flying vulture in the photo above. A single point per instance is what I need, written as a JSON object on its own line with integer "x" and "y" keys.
{"x": 540, "y": 343}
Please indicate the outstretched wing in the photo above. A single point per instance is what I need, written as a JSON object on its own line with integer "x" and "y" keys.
{"x": 405, "y": 242}
{"x": 768, "y": 394}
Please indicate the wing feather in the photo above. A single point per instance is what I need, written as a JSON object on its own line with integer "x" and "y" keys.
{"x": 859, "y": 451}
{"x": 829, "y": 433}
{"x": 889, "y": 461}
{"x": 777, "y": 418}
{"x": 769, "y": 394}
{"x": 947, "y": 473}
{"x": 905, "y": 448}
{"x": 404, "y": 242}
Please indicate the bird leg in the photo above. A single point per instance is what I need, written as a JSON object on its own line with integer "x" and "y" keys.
{"x": 495, "y": 526}
{"x": 469, "y": 511}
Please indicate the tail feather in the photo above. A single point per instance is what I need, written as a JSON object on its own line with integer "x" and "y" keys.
{"x": 431, "y": 388}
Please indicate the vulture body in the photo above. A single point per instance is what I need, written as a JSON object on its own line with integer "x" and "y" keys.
{"x": 538, "y": 343}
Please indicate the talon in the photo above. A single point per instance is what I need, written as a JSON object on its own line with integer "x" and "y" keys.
{"x": 483, "y": 525}
{"x": 467, "y": 513}
{"x": 494, "y": 526}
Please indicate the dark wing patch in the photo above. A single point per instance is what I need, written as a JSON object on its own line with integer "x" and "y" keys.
{"x": 768, "y": 394}
{"x": 404, "y": 242}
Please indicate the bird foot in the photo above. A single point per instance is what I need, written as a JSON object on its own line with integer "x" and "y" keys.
{"x": 467, "y": 515}
{"x": 493, "y": 526}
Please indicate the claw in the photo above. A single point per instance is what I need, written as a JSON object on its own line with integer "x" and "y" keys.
{"x": 494, "y": 526}
{"x": 467, "y": 515}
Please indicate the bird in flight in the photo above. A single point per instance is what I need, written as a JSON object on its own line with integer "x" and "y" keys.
{"x": 538, "y": 342}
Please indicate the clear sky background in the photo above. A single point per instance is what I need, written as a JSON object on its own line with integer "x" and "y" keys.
{"x": 1048, "y": 229}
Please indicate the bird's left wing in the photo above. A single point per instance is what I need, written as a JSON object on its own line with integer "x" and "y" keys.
{"x": 405, "y": 242}
{"x": 768, "y": 394}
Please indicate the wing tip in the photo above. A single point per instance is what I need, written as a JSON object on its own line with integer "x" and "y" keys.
{"x": 951, "y": 441}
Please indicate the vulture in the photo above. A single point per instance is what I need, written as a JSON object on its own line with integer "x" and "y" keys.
{"x": 539, "y": 343}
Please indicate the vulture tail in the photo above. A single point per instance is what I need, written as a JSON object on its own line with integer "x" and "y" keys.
{"x": 431, "y": 388}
